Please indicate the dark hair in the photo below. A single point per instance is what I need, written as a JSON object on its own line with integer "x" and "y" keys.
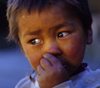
{"x": 78, "y": 7}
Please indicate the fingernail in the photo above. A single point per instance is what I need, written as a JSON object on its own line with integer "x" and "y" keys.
{"x": 45, "y": 55}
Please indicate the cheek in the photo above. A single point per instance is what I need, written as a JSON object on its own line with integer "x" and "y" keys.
{"x": 74, "y": 55}
{"x": 75, "y": 51}
{"x": 33, "y": 57}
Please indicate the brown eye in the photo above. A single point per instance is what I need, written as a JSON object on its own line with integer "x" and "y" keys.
{"x": 62, "y": 34}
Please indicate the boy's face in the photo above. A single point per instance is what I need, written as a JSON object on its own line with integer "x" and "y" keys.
{"x": 54, "y": 32}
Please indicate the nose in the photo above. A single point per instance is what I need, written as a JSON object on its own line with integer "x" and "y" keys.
{"x": 52, "y": 48}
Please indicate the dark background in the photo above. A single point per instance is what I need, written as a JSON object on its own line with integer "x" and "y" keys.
{"x": 13, "y": 64}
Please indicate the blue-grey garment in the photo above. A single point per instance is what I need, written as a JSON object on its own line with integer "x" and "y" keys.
{"x": 85, "y": 79}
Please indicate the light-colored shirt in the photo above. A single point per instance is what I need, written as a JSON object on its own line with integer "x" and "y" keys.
{"x": 85, "y": 79}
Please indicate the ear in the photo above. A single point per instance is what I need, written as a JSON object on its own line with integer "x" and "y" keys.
{"x": 89, "y": 36}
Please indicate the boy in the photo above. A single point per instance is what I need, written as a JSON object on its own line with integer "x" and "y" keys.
{"x": 53, "y": 35}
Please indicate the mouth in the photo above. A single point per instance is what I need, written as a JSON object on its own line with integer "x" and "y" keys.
{"x": 64, "y": 62}
{"x": 65, "y": 66}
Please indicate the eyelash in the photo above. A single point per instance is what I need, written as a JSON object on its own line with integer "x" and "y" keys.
{"x": 64, "y": 34}
{"x": 60, "y": 35}
{"x": 33, "y": 41}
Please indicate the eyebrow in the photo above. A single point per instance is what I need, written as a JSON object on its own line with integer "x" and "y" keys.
{"x": 70, "y": 24}
{"x": 33, "y": 33}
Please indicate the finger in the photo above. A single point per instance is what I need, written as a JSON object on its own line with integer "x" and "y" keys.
{"x": 40, "y": 70}
{"x": 38, "y": 77}
{"x": 53, "y": 60}
{"x": 45, "y": 63}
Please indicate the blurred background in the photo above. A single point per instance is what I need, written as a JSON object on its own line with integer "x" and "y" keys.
{"x": 13, "y": 64}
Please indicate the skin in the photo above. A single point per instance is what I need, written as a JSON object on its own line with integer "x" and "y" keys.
{"x": 54, "y": 44}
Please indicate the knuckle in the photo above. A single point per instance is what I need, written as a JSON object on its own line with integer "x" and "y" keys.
{"x": 50, "y": 57}
{"x": 43, "y": 61}
{"x": 52, "y": 73}
{"x": 59, "y": 68}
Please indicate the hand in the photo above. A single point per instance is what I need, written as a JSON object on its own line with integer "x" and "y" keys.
{"x": 51, "y": 72}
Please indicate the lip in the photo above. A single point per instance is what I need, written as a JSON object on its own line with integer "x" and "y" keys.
{"x": 65, "y": 66}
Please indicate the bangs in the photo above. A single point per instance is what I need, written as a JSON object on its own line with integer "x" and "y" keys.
{"x": 38, "y": 5}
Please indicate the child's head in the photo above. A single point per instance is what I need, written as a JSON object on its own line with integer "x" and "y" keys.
{"x": 59, "y": 27}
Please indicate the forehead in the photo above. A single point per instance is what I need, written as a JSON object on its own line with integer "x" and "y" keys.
{"x": 53, "y": 10}
{"x": 46, "y": 15}
{"x": 46, "y": 20}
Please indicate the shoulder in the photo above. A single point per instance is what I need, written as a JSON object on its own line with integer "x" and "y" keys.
{"x": 26, "y": 82}
{"x": 91, "y": 80}
{"x": 93, "y": 75}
